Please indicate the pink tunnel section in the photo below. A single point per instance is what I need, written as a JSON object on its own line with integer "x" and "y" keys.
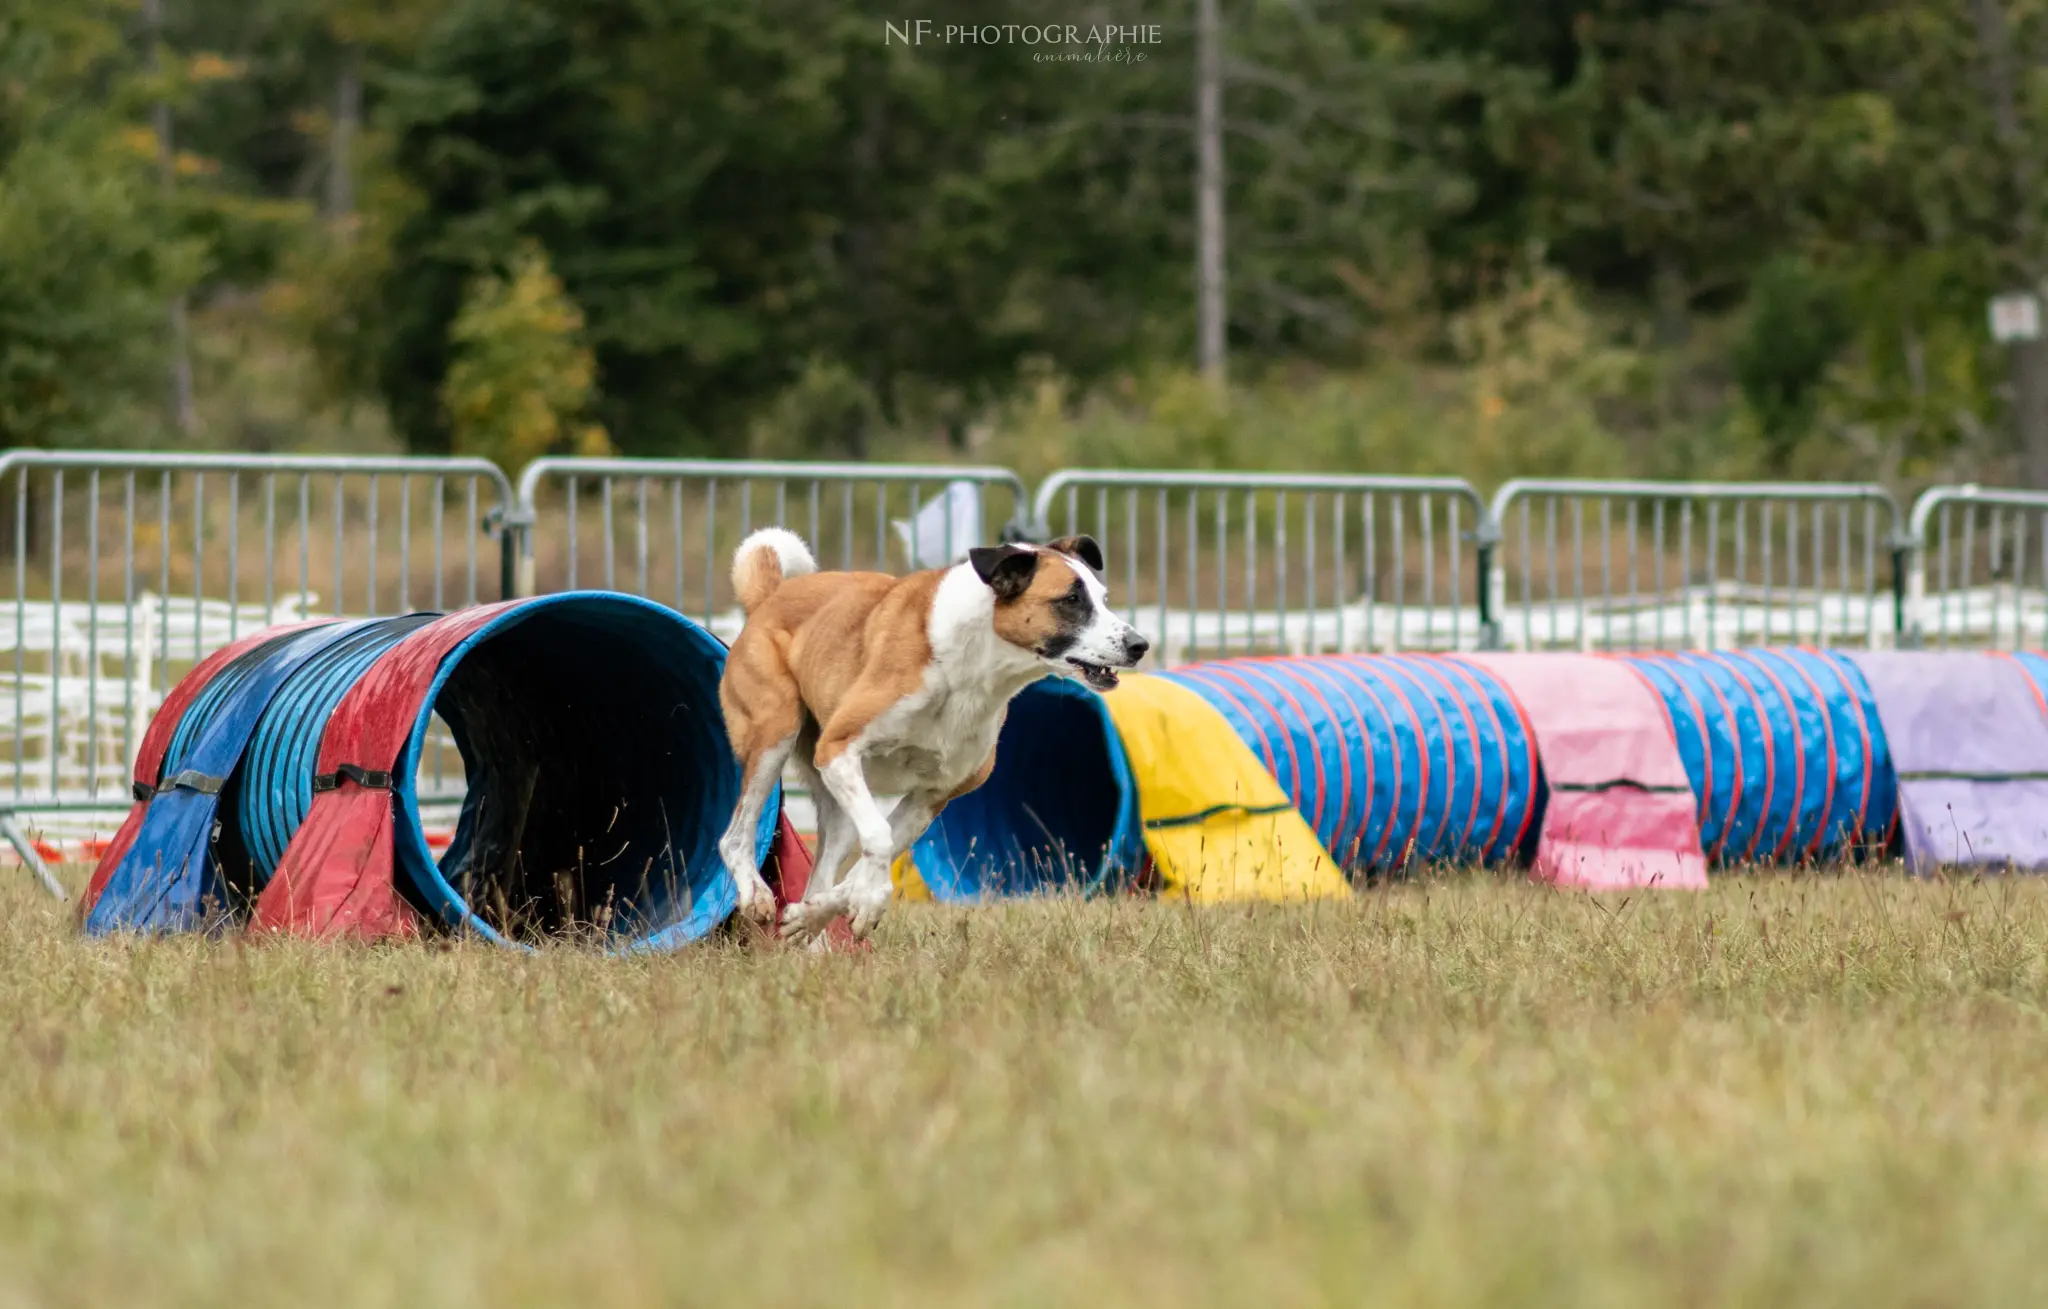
{"x": 1621, "y": 811}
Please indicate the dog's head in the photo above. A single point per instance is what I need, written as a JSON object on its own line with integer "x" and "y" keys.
{"x": 1050, "y": 600}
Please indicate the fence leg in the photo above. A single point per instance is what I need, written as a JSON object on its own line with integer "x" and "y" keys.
{"x": 1904, "y": 635}
{"x": 515, "y": 566}
{"x": 1487, "y": 537}
{"x": 10, "y": 828}
{"x": 508, "y": 562}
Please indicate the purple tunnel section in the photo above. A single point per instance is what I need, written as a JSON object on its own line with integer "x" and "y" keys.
{"x": 1969, "y": 743}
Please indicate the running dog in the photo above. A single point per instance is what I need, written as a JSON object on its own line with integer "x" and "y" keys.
{"x": 897, "y": 686}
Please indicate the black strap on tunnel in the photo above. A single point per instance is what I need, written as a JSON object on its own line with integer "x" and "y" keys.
{"x": 228, "y": 675}
{"x": 1619, "y": 784}
{"x": 370, "y": 779}
{"x": 1953, "y": 775}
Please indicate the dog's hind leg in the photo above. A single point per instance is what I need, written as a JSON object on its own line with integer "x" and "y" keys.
{"x": 737, "y": 848}
{"x": 843, "y": 777}
{"x": 764, "y": 723}
{"x": 838, "y": 843}
{"x": 864, "y": 896}
{"x": 910, "y": 820}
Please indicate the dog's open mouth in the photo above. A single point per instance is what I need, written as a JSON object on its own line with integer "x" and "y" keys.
{"x": 1100, "y": 676}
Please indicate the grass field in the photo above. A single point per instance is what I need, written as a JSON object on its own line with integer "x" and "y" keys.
{"x": 1827, "y": 1091}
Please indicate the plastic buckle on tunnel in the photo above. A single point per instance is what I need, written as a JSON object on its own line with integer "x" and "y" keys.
{"x": 194, "y": 780}
{"x": 370, "y": 779}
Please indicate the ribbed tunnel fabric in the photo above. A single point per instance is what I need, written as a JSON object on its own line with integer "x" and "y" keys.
{"x": 1783, "y": 749}
{"x": 173, "y": 878}
{"x": 1217, "y": 825}
{"x": 599, "y": 780}
{"x": 156, "y": 741}
{"x": 1059, "y": 811}
{"x": 1619, "y": 810}
{"x": 1392, "y": 759}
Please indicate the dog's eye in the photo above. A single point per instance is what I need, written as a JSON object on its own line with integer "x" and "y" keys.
{"x": 1076, "y": 599}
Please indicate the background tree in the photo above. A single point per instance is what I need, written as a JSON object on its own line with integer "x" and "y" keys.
{"x": 521, "y": 379}
{"x": 92, "y": 249}
{"x": 1775, "y": 224}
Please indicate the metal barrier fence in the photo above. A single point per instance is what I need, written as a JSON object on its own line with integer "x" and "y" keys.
{"x": 1693, "y": 564}
{"x": 1985, "y": 551}
{"x": 1241, "y": 563}
{"x": 127, "y": 569}
{"x": 666, "y": 528}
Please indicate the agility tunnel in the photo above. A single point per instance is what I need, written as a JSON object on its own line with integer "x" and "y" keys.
{"x": 1269, "y": 778}
{"x": 1566, "y": 762}
{"x": 1785, "y": 752}
{"x": 1968, "y": 736}
{"x": 1392, "y": 760}
{"x": 1594, "y": 770}
{"x": 278, "y": 787}
{"x": 1616, "y": 802}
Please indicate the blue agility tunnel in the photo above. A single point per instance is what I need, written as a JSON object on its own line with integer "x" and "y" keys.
{"x": 1059, "y": 811}
{"x": 1398, "y": 759}
{"x": 181, "y": 872}
{"x": 598, "y": 775}
{"x": 1391, "y": 760}
{"x": 1784, "y": 750}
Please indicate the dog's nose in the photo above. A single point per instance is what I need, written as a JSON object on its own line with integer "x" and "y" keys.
{"x": 1135, "y": 646}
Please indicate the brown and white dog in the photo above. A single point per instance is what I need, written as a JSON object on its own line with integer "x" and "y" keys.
{"x": 875, "y": 684}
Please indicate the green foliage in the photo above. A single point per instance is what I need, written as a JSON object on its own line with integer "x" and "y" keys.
{"x": 1523, "y": 395}
{"x": 522, "y": 120}
{"x": 1539, "y": 366}
{"x": 827, "y": 412}
{"x": 1796, "y": 325}
{"x": 1915, "y": 389}
{"x": 733, "y": 191}
{"x": 328, "y": 291}
{"x": 1768, "y": 229}
{"x": 521, "y": 377}
{"x": 87, "y": 262}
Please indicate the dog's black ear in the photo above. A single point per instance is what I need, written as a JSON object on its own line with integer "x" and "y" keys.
{"x": 1006, "y": 568}
{"x": 1080, "y": 547}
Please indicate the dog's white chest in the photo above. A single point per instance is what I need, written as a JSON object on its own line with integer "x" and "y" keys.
{"x": 933, "y": 740}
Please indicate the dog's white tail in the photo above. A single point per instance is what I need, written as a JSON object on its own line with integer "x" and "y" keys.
{"x": 765, "y": 561}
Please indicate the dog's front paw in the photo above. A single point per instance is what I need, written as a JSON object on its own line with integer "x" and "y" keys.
{"x": 867, "y": 912}
{"x": 756, "y": 903}
{"x": 804, "y": 922}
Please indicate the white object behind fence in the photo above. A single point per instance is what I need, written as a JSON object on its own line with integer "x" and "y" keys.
{"x": 941, "y": 533}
